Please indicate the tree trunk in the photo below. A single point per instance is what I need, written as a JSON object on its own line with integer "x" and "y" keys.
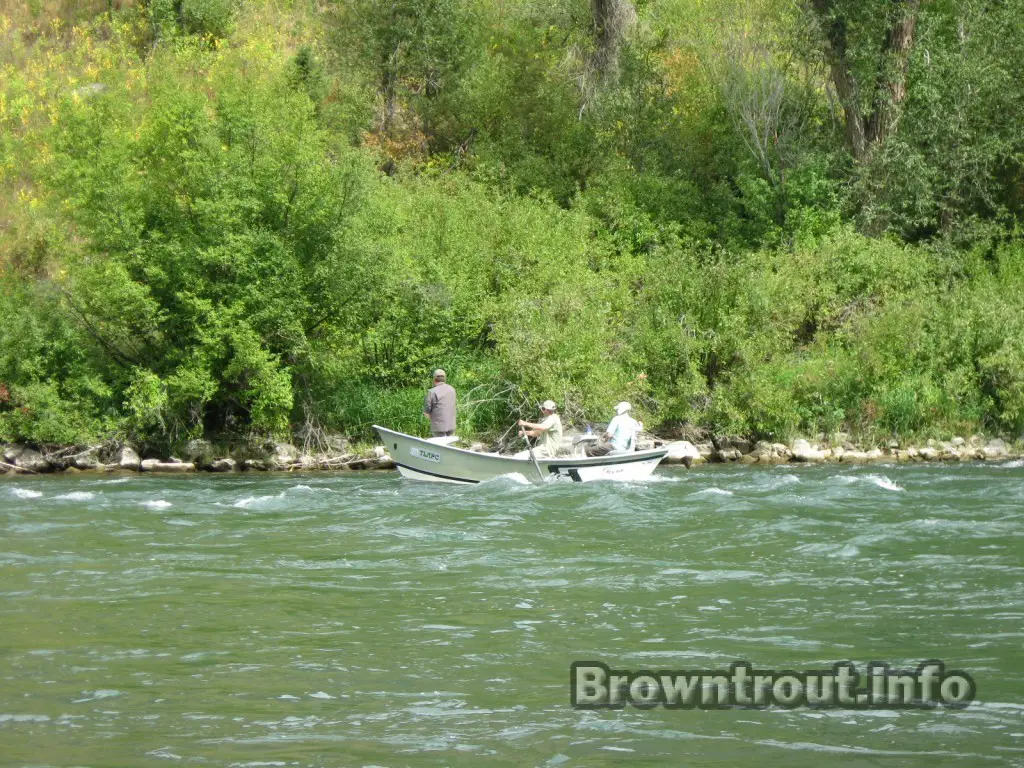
{"x": 892, "y": 88}
{"x": 612, "y": 20}
{"x": 865, "y": 130}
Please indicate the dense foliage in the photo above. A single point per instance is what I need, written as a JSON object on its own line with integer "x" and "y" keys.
{"x": 274, "y": 217}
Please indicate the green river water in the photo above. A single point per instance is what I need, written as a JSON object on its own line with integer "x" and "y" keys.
{"x": 362, "y": 620}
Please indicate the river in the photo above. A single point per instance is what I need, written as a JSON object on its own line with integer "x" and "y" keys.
{"x": 361, "y": 620}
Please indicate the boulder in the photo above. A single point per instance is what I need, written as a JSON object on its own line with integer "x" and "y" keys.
{"x": 706, "y": 449}
{"x": 384, "y": 462}
{"x": 854, "y": 457}
{"x": 957, "y": 441}
{"x": 724, "y": 450}
{"x": 928, "y": 453}
{"x": 125, "y": 457}
{"x": 199, "y": 452}
{"x": 285, "y": 455}
{"x": 741, "y": 444}
{"x": 23, "y": 457}
{"x": 805, "y": 452}
{"x": 257, "y": 465}
{"x": 729, "y": 448}
{"x": 876, "y": 454}
{"x": 767, "y": 453}
{"x": 681, "y": 452}
{"x": 223, "y": 465}
{"x": 87, "y": 459}
{"x": 155, "y": 465}
{"x": 995, "y": 449}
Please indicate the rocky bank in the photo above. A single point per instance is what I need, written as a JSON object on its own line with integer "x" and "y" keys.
{"x": 201, "y": 456}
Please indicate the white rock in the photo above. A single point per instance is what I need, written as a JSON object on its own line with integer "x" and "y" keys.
{"x": 155, "y": 465}
{"x": 804, "y": 451}
{"x": 26, "y": 458}
{"x": 680, "y": 451}
{"x": 126, "y": 458}
{"x": 996, "y": 449}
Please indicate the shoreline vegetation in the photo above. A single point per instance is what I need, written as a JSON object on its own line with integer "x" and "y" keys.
{"x": 265, "y": 222}
{"x": 201, "y": 456}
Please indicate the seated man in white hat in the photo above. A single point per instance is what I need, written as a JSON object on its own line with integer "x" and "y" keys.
{"x": 548, "y": 433}
{"x": 621, "y": 433}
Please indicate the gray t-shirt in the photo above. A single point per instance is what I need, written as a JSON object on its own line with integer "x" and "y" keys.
{"x": 440, "y": 404}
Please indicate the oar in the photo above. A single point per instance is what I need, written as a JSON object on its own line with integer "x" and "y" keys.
{"x": 529, "y": 447}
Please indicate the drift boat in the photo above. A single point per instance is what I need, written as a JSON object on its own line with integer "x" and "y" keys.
{"x": 436, "y": 461}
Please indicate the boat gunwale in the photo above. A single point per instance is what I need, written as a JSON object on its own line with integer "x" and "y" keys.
{"x": 582, "y": 461}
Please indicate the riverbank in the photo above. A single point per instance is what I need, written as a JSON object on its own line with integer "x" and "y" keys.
{"x": 201, "y": 456}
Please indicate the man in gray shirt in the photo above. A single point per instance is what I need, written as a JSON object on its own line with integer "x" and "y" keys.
{"x": 439, "y": 406}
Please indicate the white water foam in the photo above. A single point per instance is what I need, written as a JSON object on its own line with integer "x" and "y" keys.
{"x": 157, "y": 504}
{"x": 25, "y": 493}
{"x": 311, "y": 489}
{"x": 7, "y": 718}
{"x": 512, "y": 477}
{"x": 651, "y": 479}
{"x": 884, "y": 482}
{"x": 103, "y": 693}
{"x": 714, "y": 492}
{"x": 77, "y": 496}
{"x": 249, "y": 501}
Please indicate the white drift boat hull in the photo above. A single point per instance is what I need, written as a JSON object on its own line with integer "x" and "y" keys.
{"x": 421, "y": 459}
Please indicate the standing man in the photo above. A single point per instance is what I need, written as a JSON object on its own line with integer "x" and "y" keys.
{"x": 548, "y": 433}
{"x": 439, "y": 406}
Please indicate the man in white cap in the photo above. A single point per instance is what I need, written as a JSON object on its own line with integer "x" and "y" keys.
{"x": 621, "y": 433}
{"x": 548, "y": 433}
{"x": 439, "y": 406}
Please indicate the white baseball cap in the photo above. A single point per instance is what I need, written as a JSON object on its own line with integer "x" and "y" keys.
{"x": 623, "y": 407}
{"x": 549, "y": 405}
